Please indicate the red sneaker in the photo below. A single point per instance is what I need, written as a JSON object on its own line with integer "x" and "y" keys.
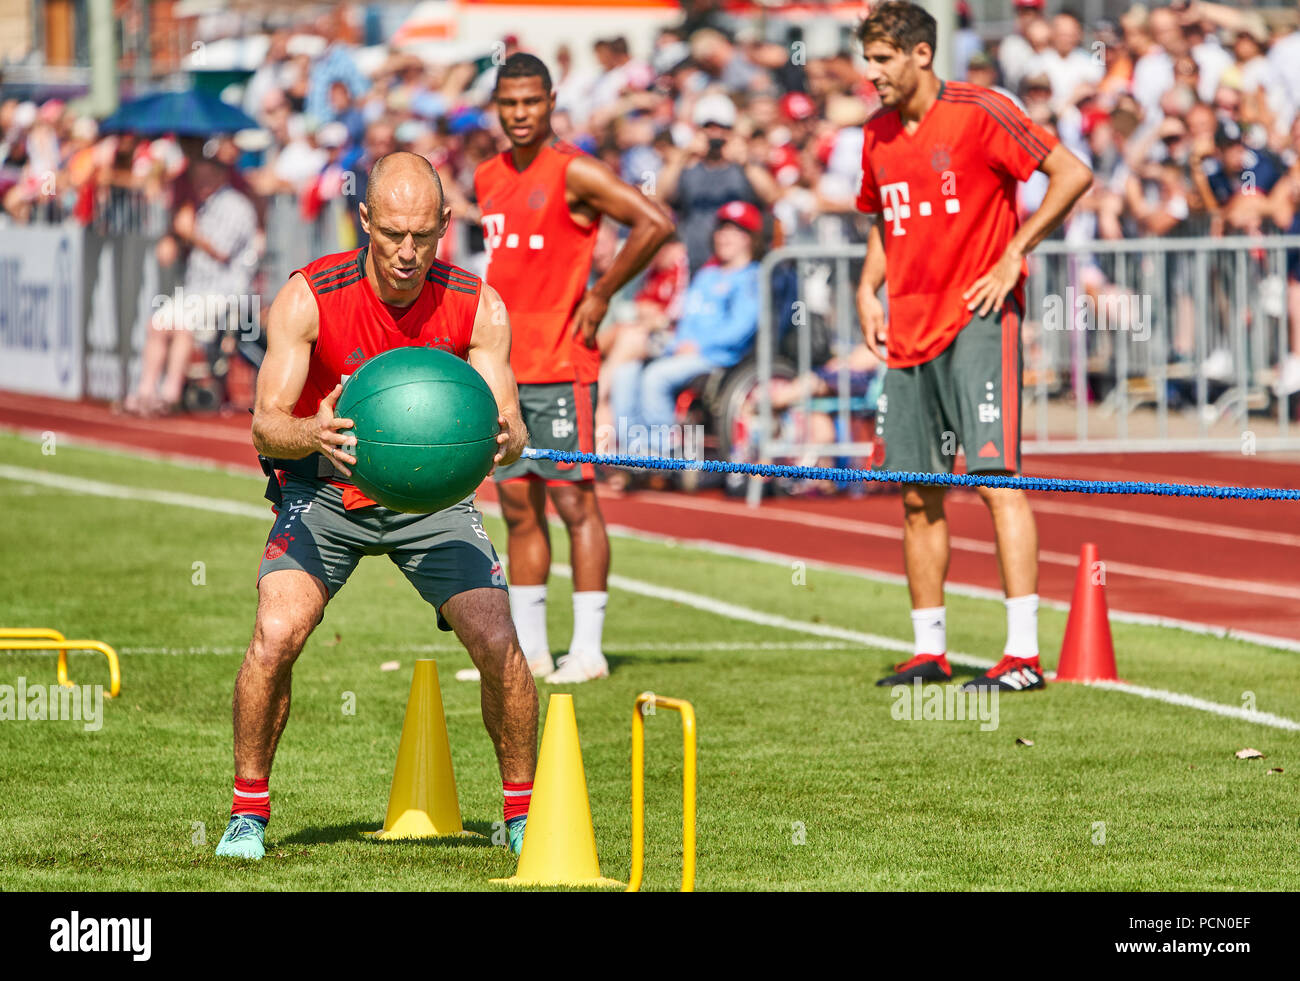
{"x": 927, "y": 667}
{"x": 1010, "y": 674}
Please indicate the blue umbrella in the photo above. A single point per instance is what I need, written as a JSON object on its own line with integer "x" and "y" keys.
{"x": 191, "y": 113}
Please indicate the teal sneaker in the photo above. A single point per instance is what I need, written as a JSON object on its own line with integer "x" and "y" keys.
{"x": 243, "y": 837}
{"x": 516, "y": 828}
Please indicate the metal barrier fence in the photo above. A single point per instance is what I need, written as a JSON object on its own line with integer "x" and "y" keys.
{"x": 1131, "y": 345}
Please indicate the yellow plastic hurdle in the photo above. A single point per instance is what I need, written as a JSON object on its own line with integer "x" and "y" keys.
{"x": 687, "y": 712}
{"x": 48, "y": 639}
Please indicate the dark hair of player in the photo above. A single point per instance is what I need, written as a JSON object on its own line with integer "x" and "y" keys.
{"x": 520, "y": 65}
{"x": 901, "y": 24}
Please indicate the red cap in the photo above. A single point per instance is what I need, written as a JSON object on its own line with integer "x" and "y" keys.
{"x": 1091, "y": 117}
{"x": 797, "y": 106}
{"x": 783, "y": 162}
{"x": 741, "y": 213}
{"x": 1029, "y": 4}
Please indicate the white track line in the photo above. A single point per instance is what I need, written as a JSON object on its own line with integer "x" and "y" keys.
{"x": 894, "y": 533}
{"x": 651, "y": 590}
{"x": 1143, "y": 520}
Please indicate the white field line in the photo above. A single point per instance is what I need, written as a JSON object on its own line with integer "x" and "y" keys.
{"x": 735, "y": 646}
{"x": 651, "y": 590}
{"x": 894, "y": 533}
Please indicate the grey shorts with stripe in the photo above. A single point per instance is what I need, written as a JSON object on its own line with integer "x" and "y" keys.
{"x": 442, "y": 554}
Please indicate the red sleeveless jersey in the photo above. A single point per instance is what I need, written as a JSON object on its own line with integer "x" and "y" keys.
{"x": 539, "y": 260}
{"x": 355, "y": 324}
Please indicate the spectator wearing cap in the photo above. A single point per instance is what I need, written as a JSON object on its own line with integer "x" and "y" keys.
{"x": 714, "y": 168}
{"x": 716, "y": 330}
{"x": 1015, "y": 52}
{"x": 981, "y": 71}
{"x": 1234, "y": 179}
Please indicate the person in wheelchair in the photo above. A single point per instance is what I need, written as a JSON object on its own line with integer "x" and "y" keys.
{"x": 716, "y": 330}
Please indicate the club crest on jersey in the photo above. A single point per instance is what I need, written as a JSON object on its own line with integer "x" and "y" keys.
{"x": 941, "y": 158}
{"x": 537, "y": 199}
{"x": 442, "y": 344}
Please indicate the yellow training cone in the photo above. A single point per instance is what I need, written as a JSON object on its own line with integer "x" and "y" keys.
{"x": 559, "y": 843}
{"x": 422, "y": 802}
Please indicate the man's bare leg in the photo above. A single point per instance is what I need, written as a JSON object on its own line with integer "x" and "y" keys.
{"x": 925, "y": 545}
{"x": 289, "y": 605}
{"x": 925, "y": 557}
{"x": 579, "y": 509}
{"x": 1017, "y": 539}
{"x": 481, "y": 619}
{"x": 528, "y": 538}
{"x": 523, "y": 505}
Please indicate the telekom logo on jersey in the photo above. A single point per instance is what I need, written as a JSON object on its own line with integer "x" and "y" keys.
{"x": 896, "y": 204}
{"x": 494, "y": 235}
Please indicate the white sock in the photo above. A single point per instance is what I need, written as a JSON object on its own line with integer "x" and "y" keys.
{"x": 588, "y": 623}
{"x": 930, "y": 629}
{"x": 528, "y": 610}
{"x": 1022, "y": 626}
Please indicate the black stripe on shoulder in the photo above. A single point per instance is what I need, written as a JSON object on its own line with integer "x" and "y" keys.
{"x": 339, "y": 285}
{"x": 1021, "y": 133}
{"x": 323, "y": 274}
{"x": 458, "y": 287}
{"x": 453, "y": 273}
{"x": 333, "y": 278}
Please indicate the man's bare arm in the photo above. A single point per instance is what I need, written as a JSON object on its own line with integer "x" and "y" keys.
{"x": 596, "y": 186}
{"x": 871, "y": 312}
{"x": 1067, "y": 179}
{"x": 489, "y": 355}
{"x": 292, "y": 325}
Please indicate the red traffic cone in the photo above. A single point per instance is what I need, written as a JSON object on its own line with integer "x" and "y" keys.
{"x": 1087, "y": 652}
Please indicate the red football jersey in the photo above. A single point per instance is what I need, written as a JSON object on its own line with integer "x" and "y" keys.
{"x": 947, "y": 194}
{"x": 356, "y": 325}
{"x": 539, "y": 260}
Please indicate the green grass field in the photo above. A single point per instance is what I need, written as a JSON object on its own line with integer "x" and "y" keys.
{"x": 806, "y": 779}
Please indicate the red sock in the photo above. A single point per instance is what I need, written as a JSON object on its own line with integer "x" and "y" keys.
{"x": 253, "y": 798}
{"x": 518, "y": 797}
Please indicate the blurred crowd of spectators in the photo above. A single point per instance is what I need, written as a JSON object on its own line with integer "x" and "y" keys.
{"x": 1189, "y": 115}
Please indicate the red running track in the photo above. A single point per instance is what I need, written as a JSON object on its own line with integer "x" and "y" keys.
{"x": 1227, "y": 564}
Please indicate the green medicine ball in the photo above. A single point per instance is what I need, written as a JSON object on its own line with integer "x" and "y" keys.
{"x": 425, "y": 425}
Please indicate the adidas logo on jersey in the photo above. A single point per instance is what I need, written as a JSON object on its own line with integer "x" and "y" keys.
{"x": 355, "y": 358}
